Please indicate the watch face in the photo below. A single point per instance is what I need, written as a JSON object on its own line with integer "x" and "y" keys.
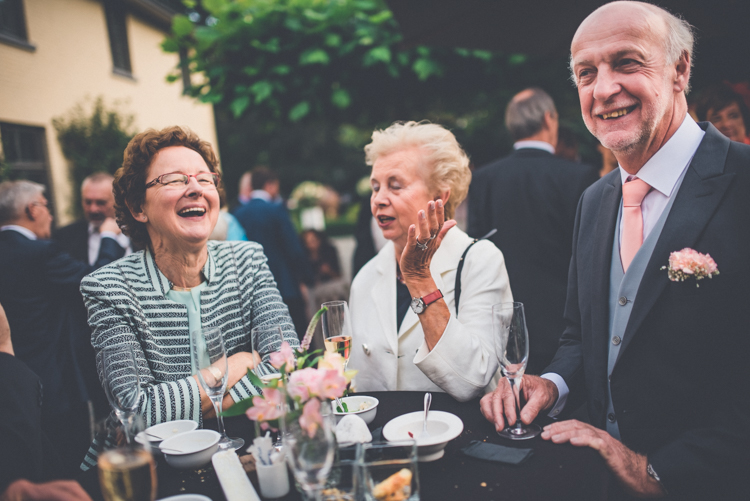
{"x": 417, "y": 305}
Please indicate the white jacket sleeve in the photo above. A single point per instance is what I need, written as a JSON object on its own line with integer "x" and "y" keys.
{"x": 463, "y": 361}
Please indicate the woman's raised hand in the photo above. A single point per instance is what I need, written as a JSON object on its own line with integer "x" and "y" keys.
{"x": 423, "y": 240}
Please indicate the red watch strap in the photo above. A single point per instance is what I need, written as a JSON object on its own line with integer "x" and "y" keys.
{"x": 432, "y": 297}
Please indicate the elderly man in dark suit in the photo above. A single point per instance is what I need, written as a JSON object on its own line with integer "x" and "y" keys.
{"x": 530, "y": 197}
{"x": 660, "y": 362}
{"x": 267, "y": 222}
{"x": 82, "y": 238}
{"x": 39, "y": 289}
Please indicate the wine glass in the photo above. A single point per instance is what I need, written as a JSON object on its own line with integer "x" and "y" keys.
{"x": 121, "y": 382}
{"x": 127, "y": 471}
{"x": 265, "y": 339}
{"x": 337, "y": 328}
{"x": 512, "y": 350}
{"x": 309, "y": 455}
{"x": 210, "y": 358}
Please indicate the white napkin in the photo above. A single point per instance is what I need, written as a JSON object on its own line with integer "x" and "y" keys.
{"x": 352, "y": 429}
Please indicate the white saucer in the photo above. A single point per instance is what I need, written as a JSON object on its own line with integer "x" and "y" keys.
{"x": 442, "y": 427}
{"x": 186, "y": 497}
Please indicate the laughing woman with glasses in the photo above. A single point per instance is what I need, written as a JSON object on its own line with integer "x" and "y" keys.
{"x": 167, "y": 199}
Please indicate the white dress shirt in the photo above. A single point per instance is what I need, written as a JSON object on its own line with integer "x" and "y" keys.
{"x": 539, "y": 145}
{"x": 20, "y": 229}
{"x": 662, "y": 172}
{"x": 95, "y": 242}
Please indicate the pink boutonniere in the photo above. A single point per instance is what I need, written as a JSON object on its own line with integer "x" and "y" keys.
{"x": 690, "y": 263}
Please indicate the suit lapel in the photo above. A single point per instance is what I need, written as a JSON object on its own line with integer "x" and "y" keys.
{"x": 698, "y": 197}
{"x": 384, "y": 295}
{"x": 602, "y": 260}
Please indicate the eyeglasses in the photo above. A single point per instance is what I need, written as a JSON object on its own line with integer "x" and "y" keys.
{"x": 178, "y": 179}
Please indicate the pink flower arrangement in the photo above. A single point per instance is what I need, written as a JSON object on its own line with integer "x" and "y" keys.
{"x": 283, "y": 358}
{"x": 690, "y": 263}
{"x": 308, "y": 380}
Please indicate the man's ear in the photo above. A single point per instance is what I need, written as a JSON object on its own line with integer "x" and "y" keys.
{"x": 549, "y": 119}
{"x": 682, "y": 77}
{"x": 28, "y": 213}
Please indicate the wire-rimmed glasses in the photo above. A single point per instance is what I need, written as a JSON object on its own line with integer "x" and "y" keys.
{"x": 178, "y": 179}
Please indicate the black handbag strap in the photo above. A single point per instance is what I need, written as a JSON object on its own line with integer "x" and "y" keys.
{"x": 457, "y": 288}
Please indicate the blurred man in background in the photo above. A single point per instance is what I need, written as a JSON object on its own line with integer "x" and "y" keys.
{"x": 530, "y": 197}
{"x": 40, "y": 292}
{"x": 82, "y": 238}
{"x": 268, "y": 224}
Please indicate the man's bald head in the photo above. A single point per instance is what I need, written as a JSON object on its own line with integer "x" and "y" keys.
{"x": 676, "y": 34}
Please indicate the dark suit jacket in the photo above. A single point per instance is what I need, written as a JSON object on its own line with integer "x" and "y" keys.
{"x": 530, "y": 197}
{"x": 39, "y": 289}
{"x": 269, "y": 225}
{"x": 26, "y": 451}
{"x": 680, "y": 383}
{"x": 74, "y": 239}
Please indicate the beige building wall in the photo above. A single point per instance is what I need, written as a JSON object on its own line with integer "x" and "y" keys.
{"x": 72, "y": 62}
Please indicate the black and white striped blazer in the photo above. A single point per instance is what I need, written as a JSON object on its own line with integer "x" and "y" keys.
{"x": 127, "y": 304}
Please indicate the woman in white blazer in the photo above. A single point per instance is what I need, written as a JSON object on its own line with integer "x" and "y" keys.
{"x": 407, "y": 333}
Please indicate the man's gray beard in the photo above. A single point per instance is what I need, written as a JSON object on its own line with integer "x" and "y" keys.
{"x": 633, "y": 146}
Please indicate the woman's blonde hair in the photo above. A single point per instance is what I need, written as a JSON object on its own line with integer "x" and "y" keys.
{"x": 448, "y": 163}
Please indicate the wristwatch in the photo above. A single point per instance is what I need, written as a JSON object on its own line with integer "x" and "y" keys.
{"x": 418, "y": 304}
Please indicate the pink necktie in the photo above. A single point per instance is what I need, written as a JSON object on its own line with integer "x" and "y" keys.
{"x": 633, "y": 192}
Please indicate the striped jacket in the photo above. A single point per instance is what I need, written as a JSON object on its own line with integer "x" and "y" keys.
{"x": 127, "y": 304}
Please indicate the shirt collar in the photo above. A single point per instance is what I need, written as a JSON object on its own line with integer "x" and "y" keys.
{"x": 20, "y": 229}
{"x": 539, "y": 145}
{"x": 262, "y": 194}
{"x": 662, "y": 170}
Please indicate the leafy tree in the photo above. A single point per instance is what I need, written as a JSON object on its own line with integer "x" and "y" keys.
{"x": 92, "y": 141}
{"x": 300, "y": 84}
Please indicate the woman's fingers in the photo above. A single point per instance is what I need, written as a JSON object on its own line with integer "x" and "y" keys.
{"x": 424, "y": 226}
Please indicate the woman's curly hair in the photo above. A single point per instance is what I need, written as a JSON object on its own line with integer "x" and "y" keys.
{"x": 130, "y": 179}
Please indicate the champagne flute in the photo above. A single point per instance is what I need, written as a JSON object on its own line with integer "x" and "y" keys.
{"x": 210, "y": 358}
{"x": 266, "y": 339}
{"x": 127, "y": 471}
{"x": 121, "y": 382}
{"x": 512, "y": 350}
{"x": 337, "y": 328}
{"x": 309, "y": 455}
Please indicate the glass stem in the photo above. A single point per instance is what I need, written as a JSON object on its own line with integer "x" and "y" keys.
{"x": 218, "y": 406}
{"x": 517, "y": 400}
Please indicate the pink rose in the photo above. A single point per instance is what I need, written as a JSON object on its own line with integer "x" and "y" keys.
{"x": 332, "y": 384}
{"x": 267, "y": 407}
{"x": 284, "y": 356}
{"x": 690, "y": 263}
{"x": 304, "y": 383}
{"x": 311, "y": 418}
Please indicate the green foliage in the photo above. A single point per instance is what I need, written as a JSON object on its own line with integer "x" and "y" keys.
{"x": 92, "y": 141}
{"x": 298, "y": 58}
{"x": 299, "y": 85}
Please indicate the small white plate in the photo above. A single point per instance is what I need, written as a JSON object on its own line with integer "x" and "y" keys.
{"x": 186, "y": 497}
{"x": 442, "y": 427}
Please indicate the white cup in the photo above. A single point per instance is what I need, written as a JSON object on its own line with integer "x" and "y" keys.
{"x": 273, "y": 479}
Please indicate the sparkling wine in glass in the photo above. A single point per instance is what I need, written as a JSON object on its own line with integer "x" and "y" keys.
{"x": 512, "y": 350}
{"x": 126, "y": 469}
{"x": 121, "y": 382}
{"x": 210, "y": 358}
{"x": 310, "y": 456}
{"x": 337, "y": 329}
